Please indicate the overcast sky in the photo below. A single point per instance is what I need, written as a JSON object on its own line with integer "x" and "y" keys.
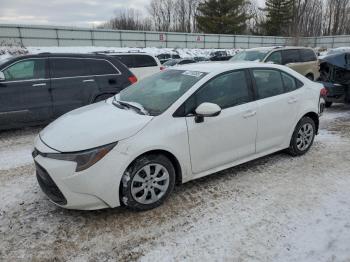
{"x": 85, "y": 13}
{"x": 64, "y": 12}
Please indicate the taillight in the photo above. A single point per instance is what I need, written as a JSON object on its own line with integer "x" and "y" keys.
{"x": 132, "y": 79}
{"x": 162, "y": 68}
{"x": 324, "y": 92}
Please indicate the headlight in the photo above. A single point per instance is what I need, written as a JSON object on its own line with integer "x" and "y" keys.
{"x": 84, "y": 159}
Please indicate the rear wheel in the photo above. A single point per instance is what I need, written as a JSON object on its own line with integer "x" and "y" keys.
{"x": 303, "y": 137}
{"x": 328, "y": 104}
{"x": 148, "y": 182}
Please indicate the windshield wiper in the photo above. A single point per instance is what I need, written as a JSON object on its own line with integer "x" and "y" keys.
{"x": 139, "y": 108}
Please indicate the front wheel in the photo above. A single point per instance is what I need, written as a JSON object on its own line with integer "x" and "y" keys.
{"x": 303, "y": 137}
{"x": 148, "y": 182}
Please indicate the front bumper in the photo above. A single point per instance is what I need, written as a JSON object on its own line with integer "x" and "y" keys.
{"x": 94, "y": 188}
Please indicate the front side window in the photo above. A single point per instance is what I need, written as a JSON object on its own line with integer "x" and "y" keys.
{"x": 226, "y": 90}
{"x": 68, "y": 67}
{"x": 268, "y": 83}
{"x": 159, "y": 91}
{"x": 275, "y": 58}
{"x": 26, "y": 70}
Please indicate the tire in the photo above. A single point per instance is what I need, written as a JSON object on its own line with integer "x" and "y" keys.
{"x": 328, "y": 104}
{"x": 148, "y": 182}
{"x": 102, "y": 97}
{"x": 310, "y": 77}
{"x": 301, "y": 142}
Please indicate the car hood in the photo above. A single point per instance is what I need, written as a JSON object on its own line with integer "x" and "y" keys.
{"x": 92, "y": 126}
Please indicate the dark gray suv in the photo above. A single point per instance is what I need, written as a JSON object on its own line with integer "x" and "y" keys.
{"x": 34, "y": 89}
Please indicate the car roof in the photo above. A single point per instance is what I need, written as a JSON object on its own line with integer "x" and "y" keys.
{"x": 129, "y": 53}
{"x": 270, "y": 48}
{"x": 217, "y": 67}
{"x": 44, "y": 55}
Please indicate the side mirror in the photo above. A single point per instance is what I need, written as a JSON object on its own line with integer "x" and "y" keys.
{"x": 206, "y": 110}
{"x": 2, "y": 76}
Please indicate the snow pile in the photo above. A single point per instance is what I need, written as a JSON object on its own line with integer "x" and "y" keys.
{"x": 183, "y": 52}
{"x": 338, "y": 50}
{"x": 8, "y": 51}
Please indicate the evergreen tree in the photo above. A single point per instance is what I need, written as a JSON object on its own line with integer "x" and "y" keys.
{"x": 222, "y": 16}
{"x": 279, "y": 16}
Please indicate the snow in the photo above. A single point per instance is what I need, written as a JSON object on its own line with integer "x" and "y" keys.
{"x": 183, "y": 52}
{"x": 277, "y": 208}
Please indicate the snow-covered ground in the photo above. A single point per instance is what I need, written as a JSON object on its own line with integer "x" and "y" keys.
{"x": 276, "y": 208}
{"x": 183, "y": 52}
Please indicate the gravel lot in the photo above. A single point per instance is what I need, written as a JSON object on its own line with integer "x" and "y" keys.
{"x": 277, "y": 208}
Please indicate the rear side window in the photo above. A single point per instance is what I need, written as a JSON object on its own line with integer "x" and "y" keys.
{"x": 290, "y": 56}
{"x": 68, "y": 67}
{"x": 227, "y": 90}
{"x": 127, "y": 60}
{"x": 26, "y": 70}
{"x": 268, "y": 83}
{"x": 176, "y": 57}
{"x": 101, "y": 67}
{"x": 144, "y": 61}
{"x": 307, "y": 55}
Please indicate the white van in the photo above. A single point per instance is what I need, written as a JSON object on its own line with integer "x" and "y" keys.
{"x": 140, "y": 64}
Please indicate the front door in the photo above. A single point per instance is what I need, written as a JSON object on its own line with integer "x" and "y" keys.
{"x": 25, "y": 93}
{"x": 230, "y": 136}
{"x": 277, "y": 108}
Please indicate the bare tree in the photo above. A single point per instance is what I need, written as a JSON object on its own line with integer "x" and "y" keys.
{"x": 128, "y": 19}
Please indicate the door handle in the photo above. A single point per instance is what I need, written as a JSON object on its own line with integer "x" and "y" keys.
{"x": 41, "y": 84}
{"x": 292, "y": 100}
{"x": 88, "y": 80}
{"x": 249, "y": 113}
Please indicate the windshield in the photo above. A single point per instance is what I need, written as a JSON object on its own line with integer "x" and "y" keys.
{"x": 252, "y": 55}
{"x": 159, "y": 91}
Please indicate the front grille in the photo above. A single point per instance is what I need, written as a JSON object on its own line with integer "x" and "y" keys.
{"x": 48, "y": 186}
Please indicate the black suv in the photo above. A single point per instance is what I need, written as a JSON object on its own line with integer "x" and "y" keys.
{"x": 35, "y": 89}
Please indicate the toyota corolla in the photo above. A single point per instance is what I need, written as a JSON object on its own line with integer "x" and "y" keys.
{"x": 173, "y": 127}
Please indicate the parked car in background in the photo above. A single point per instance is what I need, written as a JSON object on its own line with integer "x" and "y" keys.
{"x": 301, "y": 59}
{"x": 335, "y": 76}
{"x": 165, "y": 57}
{"x": 140, "y": 64}
{"x": 35, "y": 89}
{"x": 201, "y": 58}
{"x": 176, "y": 62}
{"x": 219, "y": 56}
{"x": 175, "y": 126}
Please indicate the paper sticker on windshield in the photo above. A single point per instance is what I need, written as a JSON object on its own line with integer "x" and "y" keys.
{"x": 193, "y": 73}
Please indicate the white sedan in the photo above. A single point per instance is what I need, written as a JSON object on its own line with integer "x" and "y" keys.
{"x": 173, "y": 127}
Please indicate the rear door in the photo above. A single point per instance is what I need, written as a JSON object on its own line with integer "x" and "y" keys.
{"x": 24, "y": 94}
{"x": 107, "y": 76}
{"x": 309, "y": 64}
{"x": 72, "y": 84}
{"x": 291, "y": 58}
{"x": 277, "y": 108}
